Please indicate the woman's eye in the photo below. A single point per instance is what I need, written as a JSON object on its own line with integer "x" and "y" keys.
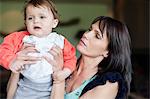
{"x": 98, "y": 36}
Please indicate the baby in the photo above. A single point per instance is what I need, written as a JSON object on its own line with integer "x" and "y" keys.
{"x": 40, "y": 19}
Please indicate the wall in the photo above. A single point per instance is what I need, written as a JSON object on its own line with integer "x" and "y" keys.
{"x": 75, "y": 17}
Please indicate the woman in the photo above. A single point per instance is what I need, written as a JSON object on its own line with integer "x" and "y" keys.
{"x": 103, "y": 69}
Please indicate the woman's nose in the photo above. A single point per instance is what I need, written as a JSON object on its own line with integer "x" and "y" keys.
{"x": 86, "y": 34}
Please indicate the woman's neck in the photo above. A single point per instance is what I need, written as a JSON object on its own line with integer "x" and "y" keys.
{"x": 88, "y": 66}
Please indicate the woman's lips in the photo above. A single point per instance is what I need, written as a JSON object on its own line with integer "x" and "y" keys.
{"x": 83, "y": 42}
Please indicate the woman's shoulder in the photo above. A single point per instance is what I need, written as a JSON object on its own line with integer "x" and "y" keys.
{"x": 107, "y": 76}
{"x": 112, "y": 77}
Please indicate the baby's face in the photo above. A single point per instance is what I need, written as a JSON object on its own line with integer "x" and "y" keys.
{"x": 40, "y": 21}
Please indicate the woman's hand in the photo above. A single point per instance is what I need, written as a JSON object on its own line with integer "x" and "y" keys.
{"x": 57, "y": 62}
{"x": 23, "y": 59}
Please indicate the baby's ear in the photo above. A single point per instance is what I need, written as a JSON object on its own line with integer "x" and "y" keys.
{"x": 55, "y": 22}
{"x": 25, "y": 24}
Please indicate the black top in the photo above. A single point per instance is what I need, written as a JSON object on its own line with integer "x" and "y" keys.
{"x": 111, "y": 77}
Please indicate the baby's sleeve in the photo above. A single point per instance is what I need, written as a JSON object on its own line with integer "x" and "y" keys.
{"x": 69, "y": 54}
{"x": 8, "y": 49}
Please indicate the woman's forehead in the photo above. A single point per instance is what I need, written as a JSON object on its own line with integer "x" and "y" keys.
{"x": 99, "y": 26}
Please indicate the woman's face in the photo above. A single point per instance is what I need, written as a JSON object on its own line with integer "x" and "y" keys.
{"x": 93, "y": 43}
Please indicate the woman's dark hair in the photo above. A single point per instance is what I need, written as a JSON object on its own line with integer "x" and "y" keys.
{"x": 37, "y": 3}
{"x": 119, "y": 56}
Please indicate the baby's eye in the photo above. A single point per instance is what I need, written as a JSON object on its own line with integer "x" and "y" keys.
{"x": 42, "y": 17}
{"x": 30, "y": 18}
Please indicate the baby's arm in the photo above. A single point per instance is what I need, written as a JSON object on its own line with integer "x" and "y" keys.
{"x": 12, "y": 85}
{"x": 69, "y": 55}
{"x": 7, "y": 53}
{"x": 66, "y": 72}
{"x": 8, "y": 49}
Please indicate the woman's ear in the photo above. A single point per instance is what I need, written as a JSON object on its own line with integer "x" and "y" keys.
{"x": 105, "y": 54}
{"x": 55, "y": 22}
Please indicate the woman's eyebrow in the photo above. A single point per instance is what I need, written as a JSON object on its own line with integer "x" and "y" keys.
{"x": 98, "y": 31}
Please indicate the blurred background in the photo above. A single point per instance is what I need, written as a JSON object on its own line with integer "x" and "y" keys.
{"x": 76, "y": 16}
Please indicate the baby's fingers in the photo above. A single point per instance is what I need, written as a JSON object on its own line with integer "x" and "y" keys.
{"x": 29, "y": 58}
{"x": 26, "y": 45}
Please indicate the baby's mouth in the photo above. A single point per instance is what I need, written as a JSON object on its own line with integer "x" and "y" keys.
{"x": 37, "y": 27}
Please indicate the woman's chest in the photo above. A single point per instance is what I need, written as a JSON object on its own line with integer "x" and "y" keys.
{"x": 73, "y": 84}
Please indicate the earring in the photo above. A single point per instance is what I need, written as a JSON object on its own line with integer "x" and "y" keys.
{"x": 104, "y": 55}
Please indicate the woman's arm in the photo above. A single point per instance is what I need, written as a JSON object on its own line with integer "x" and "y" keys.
{"x": 12, "y": 85}
{"x": 107, "y": 91}
{"x": 21, "y": 59}
{"x": 58, "y": 90}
